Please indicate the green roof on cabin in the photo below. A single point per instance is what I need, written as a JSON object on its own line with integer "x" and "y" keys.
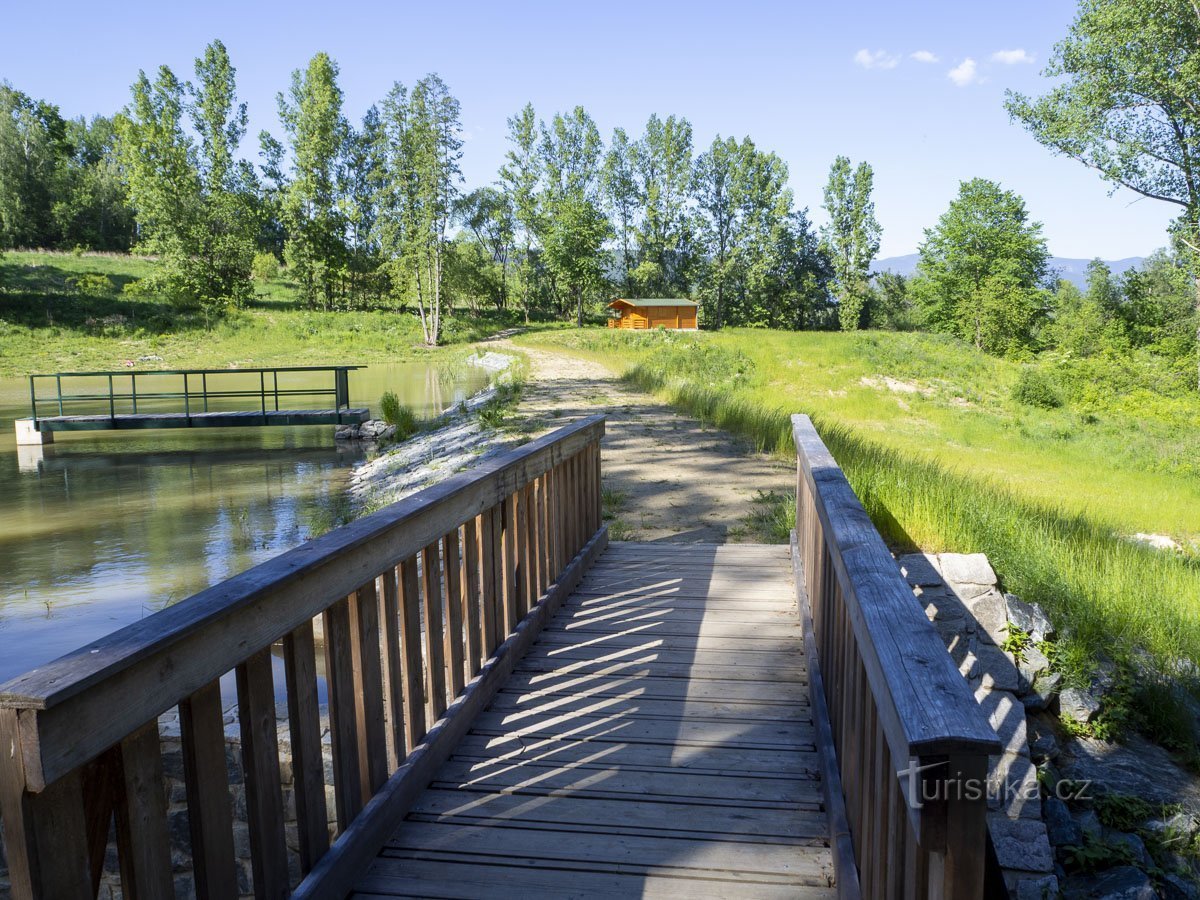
{"x": 652, "y": 301}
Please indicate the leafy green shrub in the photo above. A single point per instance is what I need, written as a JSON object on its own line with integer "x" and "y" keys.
{"x": 396, "y": 413}
{"x": 1035, "y": 388}
{"x": 265, "y": 267}
{"x": 92, "y": 284}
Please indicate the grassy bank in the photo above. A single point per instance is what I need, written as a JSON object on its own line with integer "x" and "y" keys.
{"x": 945, "y": 460}
{"x": 61, "y": 312}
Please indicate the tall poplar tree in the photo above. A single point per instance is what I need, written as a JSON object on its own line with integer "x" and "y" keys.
{"x": 619, "y": 179}
{"x": 520, "y": 178}
{"x": 311, "y": 113}
{"x": 575, "y": 225}
{"x": 663, "y": 162}
{"x": 851, "y": 239}
{"x": 228, "y": 226}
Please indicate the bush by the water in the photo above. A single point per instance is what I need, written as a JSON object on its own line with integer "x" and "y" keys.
{"x": 396, "y": 413}
{"x": 1035, "y": 388}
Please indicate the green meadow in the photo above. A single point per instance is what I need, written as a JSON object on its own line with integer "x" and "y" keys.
{"x": 70, "y": 312}
{"x": 944, "y": 458}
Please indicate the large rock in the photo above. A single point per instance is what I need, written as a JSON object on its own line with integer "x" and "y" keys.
{"x": 967, "y": 568}
{"x": 1029, "y": 617}
{"x": 1020, "y": 843}
{"x": 1078, "y": 705}
{"x": 1121, "y": 883}
{"x": 1135, "y": 767}
{"x": 1062, "y": 830}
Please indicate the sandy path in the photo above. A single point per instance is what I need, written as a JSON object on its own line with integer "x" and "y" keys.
{"x": 675, "y": 478}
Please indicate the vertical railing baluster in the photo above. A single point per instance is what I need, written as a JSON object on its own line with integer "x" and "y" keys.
{"x": 435, "y": 661}
{"x": 454, "y": 612}
{"x": 472, "y": 595}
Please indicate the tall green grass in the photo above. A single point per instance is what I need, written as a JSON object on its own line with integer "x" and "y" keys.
{"x": 1113, "y": 598}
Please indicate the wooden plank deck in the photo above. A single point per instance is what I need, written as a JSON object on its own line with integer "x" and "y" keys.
{"x": 655, "y": 741}
{"x": 228, "y": 419}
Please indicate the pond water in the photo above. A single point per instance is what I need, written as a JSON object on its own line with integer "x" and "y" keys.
{"x": 108, "y": 527}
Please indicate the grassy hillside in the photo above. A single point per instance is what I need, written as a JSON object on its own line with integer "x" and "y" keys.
{"x": 54, "y": 317}
{"x": 945, "y": 459}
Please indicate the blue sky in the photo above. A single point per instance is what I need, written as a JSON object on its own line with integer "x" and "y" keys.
{"x": 808, "y": 80}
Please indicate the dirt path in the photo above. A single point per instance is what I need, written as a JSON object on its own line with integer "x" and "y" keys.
{"x": 667, "y": 477}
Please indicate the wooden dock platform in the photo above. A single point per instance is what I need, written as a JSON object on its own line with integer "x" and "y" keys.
{"x": 657, "y": 740}
{"x": 239, "y": 419}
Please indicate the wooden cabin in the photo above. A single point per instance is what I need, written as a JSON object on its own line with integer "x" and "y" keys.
{"x": 652, "y": 313}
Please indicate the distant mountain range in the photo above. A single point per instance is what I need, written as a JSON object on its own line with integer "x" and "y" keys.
{"x": 1073, "y": 270}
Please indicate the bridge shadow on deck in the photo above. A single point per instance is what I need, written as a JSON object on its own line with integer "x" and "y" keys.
{"x": 655, "y": 741}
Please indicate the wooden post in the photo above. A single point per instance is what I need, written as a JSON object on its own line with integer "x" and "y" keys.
{"x": 45, "y": 834}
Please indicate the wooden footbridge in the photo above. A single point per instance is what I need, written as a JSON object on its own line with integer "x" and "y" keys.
{"x": 185, "y": 398}
{"x": 515, "y": 707}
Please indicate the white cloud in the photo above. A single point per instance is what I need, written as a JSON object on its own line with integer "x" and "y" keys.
{"x": 965, "y": 73}
{"x": 876, "y": 60}
{"x": 924, "y": 56}
{"x": 1012, "y": 57}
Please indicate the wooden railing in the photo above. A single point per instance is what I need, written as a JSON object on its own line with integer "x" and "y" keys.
{"x": 907, "y": 797}
{"x": 425, "y": 607}
{"x": 119, "y": 392}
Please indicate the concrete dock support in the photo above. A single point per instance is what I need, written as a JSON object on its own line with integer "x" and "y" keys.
{"x": 28, "y": 436}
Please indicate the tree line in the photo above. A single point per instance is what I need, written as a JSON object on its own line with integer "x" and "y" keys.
{"x": 375, "y": 213}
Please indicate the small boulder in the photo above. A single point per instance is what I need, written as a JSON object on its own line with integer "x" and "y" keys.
{"x": 997, "y": 669}
{"x": 1033, "y": 663}
{"x": 1044, "y": 887}
{"x": 1062, "y": 830}
{"x": 1176, "y": 887}
{"x": 920, "y": 569}
{"x": 1131, "y": 842}
{"x": 1029, "y": 617}
{"x": 1121, "y": 883}
{"x": 1043, "y": 741}
{"x": 988, "y": 610}
{"x": 1020, "y": 843}
{"x": 1089, "y": 822}
{"x": 967, "y": 568}
{"x": 1006, "y": 715}
{"x": 1078, "y": 705}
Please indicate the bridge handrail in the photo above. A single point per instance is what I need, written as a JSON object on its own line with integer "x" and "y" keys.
{"x": 905, "y": 724}
{"x": 483, "y": 556}
{"x": 339, "y": 389}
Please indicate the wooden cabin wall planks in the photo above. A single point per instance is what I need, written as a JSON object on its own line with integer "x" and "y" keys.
{"x": 415, "y": 602}
{"x": 895, "y": 699}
